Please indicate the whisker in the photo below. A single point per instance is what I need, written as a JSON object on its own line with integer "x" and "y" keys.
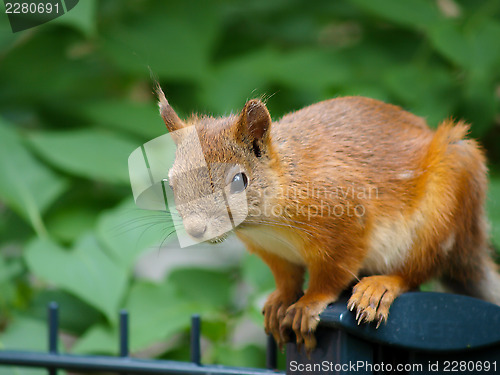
{"x": 166, "y": 237}
{"x": 137, "y": 225}
{"x": 149, "y": 225}
{"x": 143, "y": 233}
{"x": 128, "y": 224}
{"x": 352, "y": 273}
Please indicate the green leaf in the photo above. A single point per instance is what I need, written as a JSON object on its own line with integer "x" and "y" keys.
{"x": 9, "y": 273}
{"x": 82, "y": 17}
{"x": 180, "y": 353}
{"x": 473, "y": 48}
{"x": 158, "y": 311}
{"x": 142, "y": 119}
{"x": 483, "y": 41}
{"x": 246, "y": 356}
{"x": 209, "y": 287}
{"x": 87, "y": 153}
{"x": 431, "y": 91}
{"x": 7, "y": 37}
{"x": 448, "y": 40}
{"x": 479, "y": 106}
{"x": 214, "y": 330}
{"x": 24, "y": 334}
{"x": 127, "y": 231}
{"x": 98, "y": 339}
{"x": 257, "y": 274}
{"x": 70, "y": 222}
{"x": 75, "y": 315}
{"x": 414, "y": 13}
{"x": 309, "y": 68}
{"x": 51, "y": 69}
{"x": 9, "y": 270}
{"x": 253, "y": 73}
{"x": 17, "y": 332}
{"x": 26, "y": 185}
{"x": 86, "y": 271}
{"x": 174, "y": 39}
{"x": 13, "y": 228}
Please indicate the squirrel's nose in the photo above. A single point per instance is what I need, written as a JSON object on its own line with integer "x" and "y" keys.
{"x": 196, "y": 227}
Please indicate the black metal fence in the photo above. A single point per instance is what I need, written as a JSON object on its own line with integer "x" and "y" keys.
{"x": 427, "y": 333}
{"x": 52, "y": 360}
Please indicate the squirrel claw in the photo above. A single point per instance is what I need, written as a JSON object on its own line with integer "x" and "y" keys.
{"x": 303, "y": 317}
{"x": 358, "y": 313}
{"x": 381, "y": 319}
{"x": 281, "y": 347}
{"x": 274, "y": 313}
{"x": 309, "y": 343}
{"x": 373, "y": 296}
{"x": 362, "y": 317}
{"x": 284, "y": 334}
{"x": 299, "y": 345}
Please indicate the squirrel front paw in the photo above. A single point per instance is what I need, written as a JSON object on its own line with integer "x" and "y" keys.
{"x": 373, "y": 296}
{"x": 303, "y": 318}
{"x": 274, "y": 311}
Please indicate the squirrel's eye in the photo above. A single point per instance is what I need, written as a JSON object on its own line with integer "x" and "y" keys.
{"x": 239, "y": 183}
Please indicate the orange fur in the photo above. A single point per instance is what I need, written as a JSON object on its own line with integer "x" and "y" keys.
{"x": 352, "y": 187}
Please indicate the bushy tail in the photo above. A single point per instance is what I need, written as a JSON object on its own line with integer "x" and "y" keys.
{"x": 488, "y": 287}
{"x": 471, "y": 270}
{"x": 485, "y": 284}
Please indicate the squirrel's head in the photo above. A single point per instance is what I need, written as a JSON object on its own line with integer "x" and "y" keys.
{"x": 222, "y": 169}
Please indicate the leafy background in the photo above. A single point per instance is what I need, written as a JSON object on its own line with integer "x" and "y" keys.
{"x": 76, "y": 99}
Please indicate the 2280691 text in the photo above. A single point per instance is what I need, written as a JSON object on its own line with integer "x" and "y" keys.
{"x": 31, "y": 8}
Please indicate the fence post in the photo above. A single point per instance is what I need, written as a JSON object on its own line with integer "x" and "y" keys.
{"x": 195, "y": 339}
{"x": 53, "y": 312}
{"x": 271, "y": 353}
{"x": 124, "y": 350}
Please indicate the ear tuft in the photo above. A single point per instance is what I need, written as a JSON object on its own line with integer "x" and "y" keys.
{"x": 255, "y": 117}
{"x": 172, "y": 121}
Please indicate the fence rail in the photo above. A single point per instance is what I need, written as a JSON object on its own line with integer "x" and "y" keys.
{"x": 82, "y": 363}
{"x": 424, "y": 329}
{"x": 53, "y": 361}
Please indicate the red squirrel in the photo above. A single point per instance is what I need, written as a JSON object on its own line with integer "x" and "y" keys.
{"x": 349, "y": 189}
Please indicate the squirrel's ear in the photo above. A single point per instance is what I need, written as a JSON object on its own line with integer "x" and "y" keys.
{"x": 167, "y": 113}
{"x": 255, "y": 120}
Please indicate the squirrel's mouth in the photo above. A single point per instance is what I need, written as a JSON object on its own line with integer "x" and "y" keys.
{"x": 218, "y": 239}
